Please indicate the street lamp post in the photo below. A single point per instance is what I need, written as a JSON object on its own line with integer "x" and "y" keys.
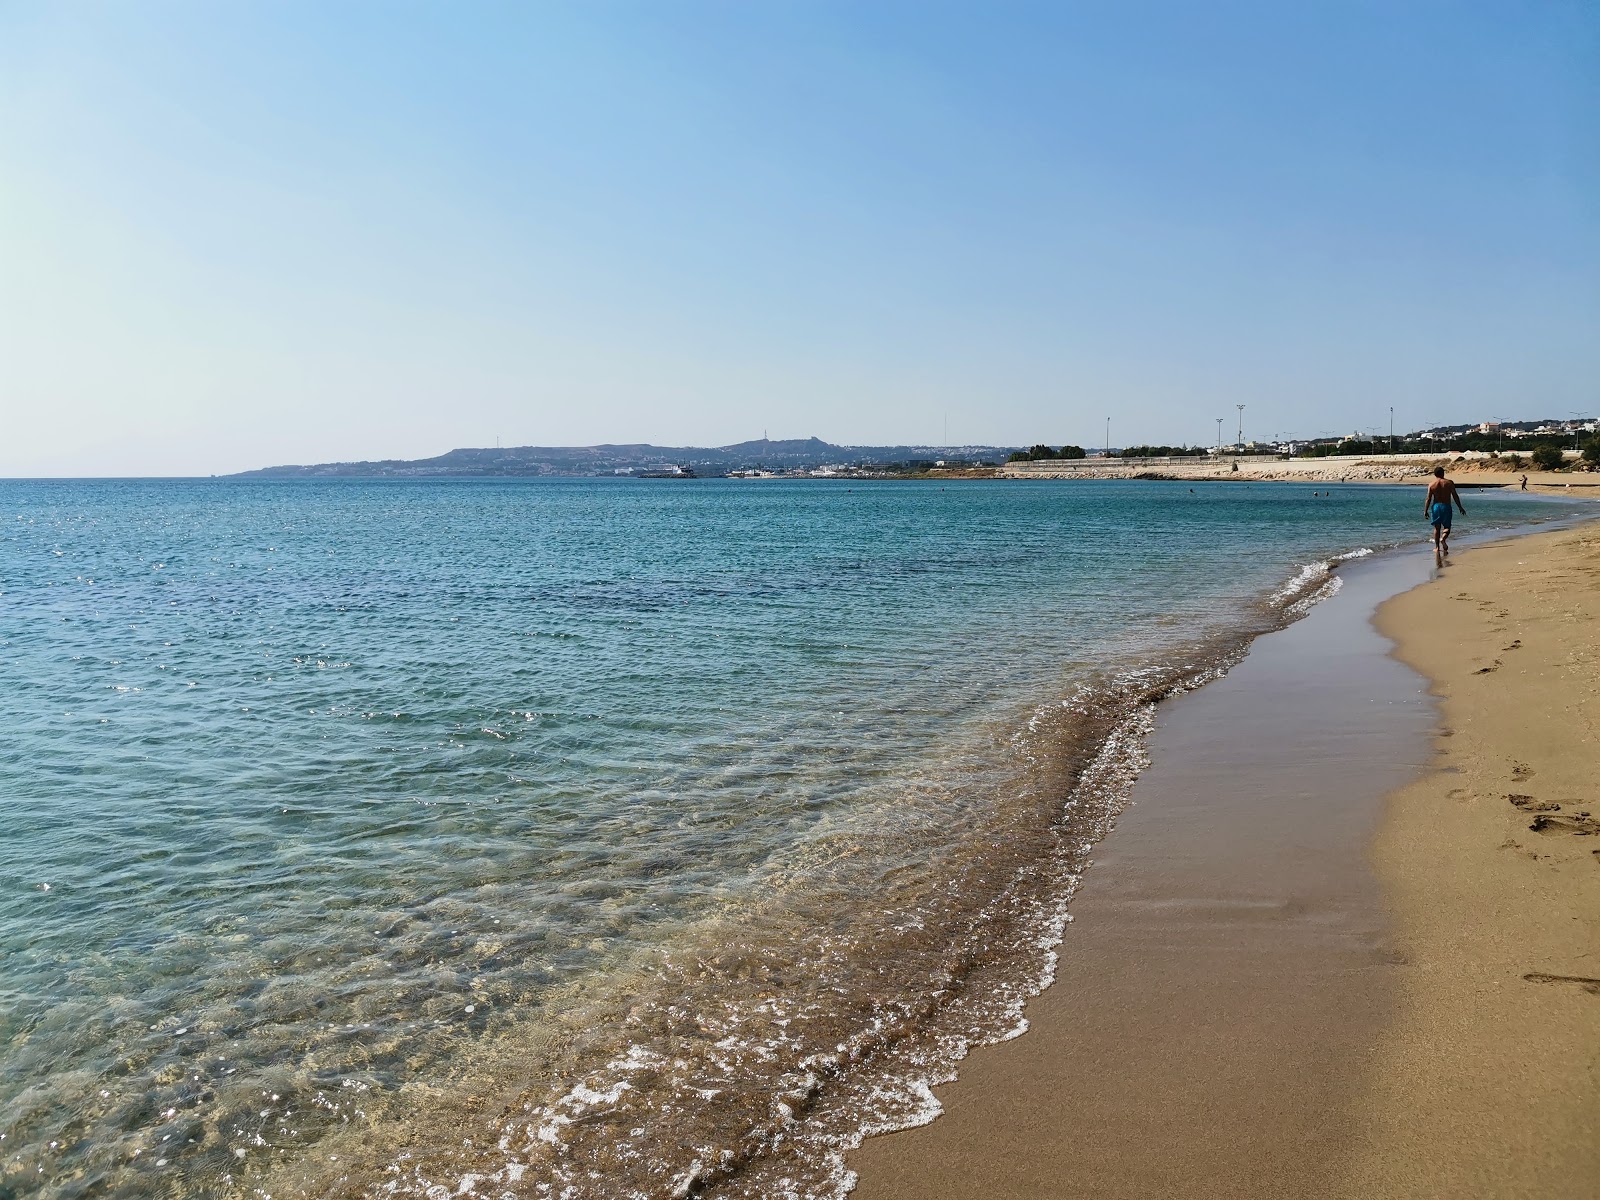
{"x": 1108, "y": 437}
{"x": 1391, "y": 429}
{"x": 1219, "y": 434}
{"x": 1240, "y": 407}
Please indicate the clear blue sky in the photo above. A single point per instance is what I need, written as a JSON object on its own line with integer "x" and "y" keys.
{"x": 249, "y": 233}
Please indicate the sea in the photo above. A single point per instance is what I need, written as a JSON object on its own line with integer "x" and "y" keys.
{"x": 580, "y": 838}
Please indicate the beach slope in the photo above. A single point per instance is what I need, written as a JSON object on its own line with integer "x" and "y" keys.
{"x": 1488, "y": 1079}
{"x": 1352, "y": 953}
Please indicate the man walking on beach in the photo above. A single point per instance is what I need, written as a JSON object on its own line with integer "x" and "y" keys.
{"x": 1436, "y": 507}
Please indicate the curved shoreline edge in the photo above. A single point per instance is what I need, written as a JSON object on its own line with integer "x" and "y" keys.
{"x": 1096, "y": 739}
{"x": 1245, "y": 1021}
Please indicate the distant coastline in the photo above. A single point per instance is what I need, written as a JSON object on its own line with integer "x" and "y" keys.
{"x": 812, "y": 455}
{"x": 1323, "y": 459}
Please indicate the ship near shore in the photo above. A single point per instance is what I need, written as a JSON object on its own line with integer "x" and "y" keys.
{"x": 673, "y": 472}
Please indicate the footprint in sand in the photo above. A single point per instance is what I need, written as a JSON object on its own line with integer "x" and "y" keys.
{"x": 1529, "y": 804}
{"x": 1486, "y": 670}
{"x": 1520, "y": 771}
{"x": 1585, "y": 982}
{"x": 1580, "y": 824}
{"x": 1516, "y": 645}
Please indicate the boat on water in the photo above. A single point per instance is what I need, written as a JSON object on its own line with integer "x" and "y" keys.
{"x": 673, "y": 472}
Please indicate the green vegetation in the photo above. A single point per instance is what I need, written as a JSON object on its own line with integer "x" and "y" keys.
{"x": 1348, "y": 446}
{"x": 1545, "y": 448}
{"x": 1043, "y": 453}
{"x": 1163, "y": 452}
{"x": 1488, "y": 443}
{"x": 1547, "y": 458}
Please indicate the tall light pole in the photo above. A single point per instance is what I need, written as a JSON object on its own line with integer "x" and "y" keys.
{"x": 1391, "y": 429}
{"x": 1240, "y": 407}
{"x": 1219, "y": 434}
{"x": 1108, "y": 437}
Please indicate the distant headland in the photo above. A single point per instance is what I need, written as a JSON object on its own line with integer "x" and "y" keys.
{"x": 810, "y": 455}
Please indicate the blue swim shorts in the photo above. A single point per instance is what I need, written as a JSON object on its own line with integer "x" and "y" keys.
{"x": 1440, "y": 515}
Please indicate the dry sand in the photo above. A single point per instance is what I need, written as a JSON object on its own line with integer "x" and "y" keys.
{"x": 1476, "y": 470}
{"x": 1258, "y": 999}
{"x": 1490, "y": 1074}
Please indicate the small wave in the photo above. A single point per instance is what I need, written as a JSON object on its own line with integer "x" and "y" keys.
{"x": 751, "y": 1063}
{"x": 1329, "y": 586}
{"x": 1306, "y": 576}
{"x": 756, "y": 1049}
{"x": 1309, "y": 585}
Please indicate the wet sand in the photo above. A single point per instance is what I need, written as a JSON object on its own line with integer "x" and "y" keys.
{"x": 1227, "y": 972}
{"x": 1323, "y": 954}
{"x": 1489, "y": 1076}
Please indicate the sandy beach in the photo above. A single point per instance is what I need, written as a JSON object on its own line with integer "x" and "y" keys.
{"x": 1475, "y": 470}
{"x": 1488, "y": 1080}
{"x": 1357, "y": 955}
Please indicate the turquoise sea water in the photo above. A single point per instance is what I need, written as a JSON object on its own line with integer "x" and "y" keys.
{"x": 579, "y": 837}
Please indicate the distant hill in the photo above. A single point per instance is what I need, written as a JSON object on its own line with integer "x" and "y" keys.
{"x": 624, "y": 459}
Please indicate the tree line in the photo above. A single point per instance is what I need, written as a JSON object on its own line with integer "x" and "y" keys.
{"x": 1043, "y": 453}
{"x": 1483, "y": 442}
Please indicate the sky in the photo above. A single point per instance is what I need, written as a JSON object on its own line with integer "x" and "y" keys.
{"x": 245, "y": 234}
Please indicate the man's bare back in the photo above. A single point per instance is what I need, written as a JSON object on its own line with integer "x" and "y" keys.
{"x": 1436, "y": 507}
{"x": 1443, "y": 491}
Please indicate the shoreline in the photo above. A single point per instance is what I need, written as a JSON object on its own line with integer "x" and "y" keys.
{"x": 1212, "y": 1030}
{"x": 1413, "y": 470}
{"x": 473, "y": 1060}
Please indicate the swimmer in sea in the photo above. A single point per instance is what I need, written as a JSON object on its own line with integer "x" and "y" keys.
{"x": 1436, "y": 507}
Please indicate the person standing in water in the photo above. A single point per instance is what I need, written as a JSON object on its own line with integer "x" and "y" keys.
{"x": 1436, "y": 507}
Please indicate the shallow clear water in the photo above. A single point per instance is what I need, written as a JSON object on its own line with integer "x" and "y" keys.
{"x": 610, "y": 836}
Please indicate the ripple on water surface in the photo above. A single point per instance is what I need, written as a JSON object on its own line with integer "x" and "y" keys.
{"x": 375, "y": 835}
